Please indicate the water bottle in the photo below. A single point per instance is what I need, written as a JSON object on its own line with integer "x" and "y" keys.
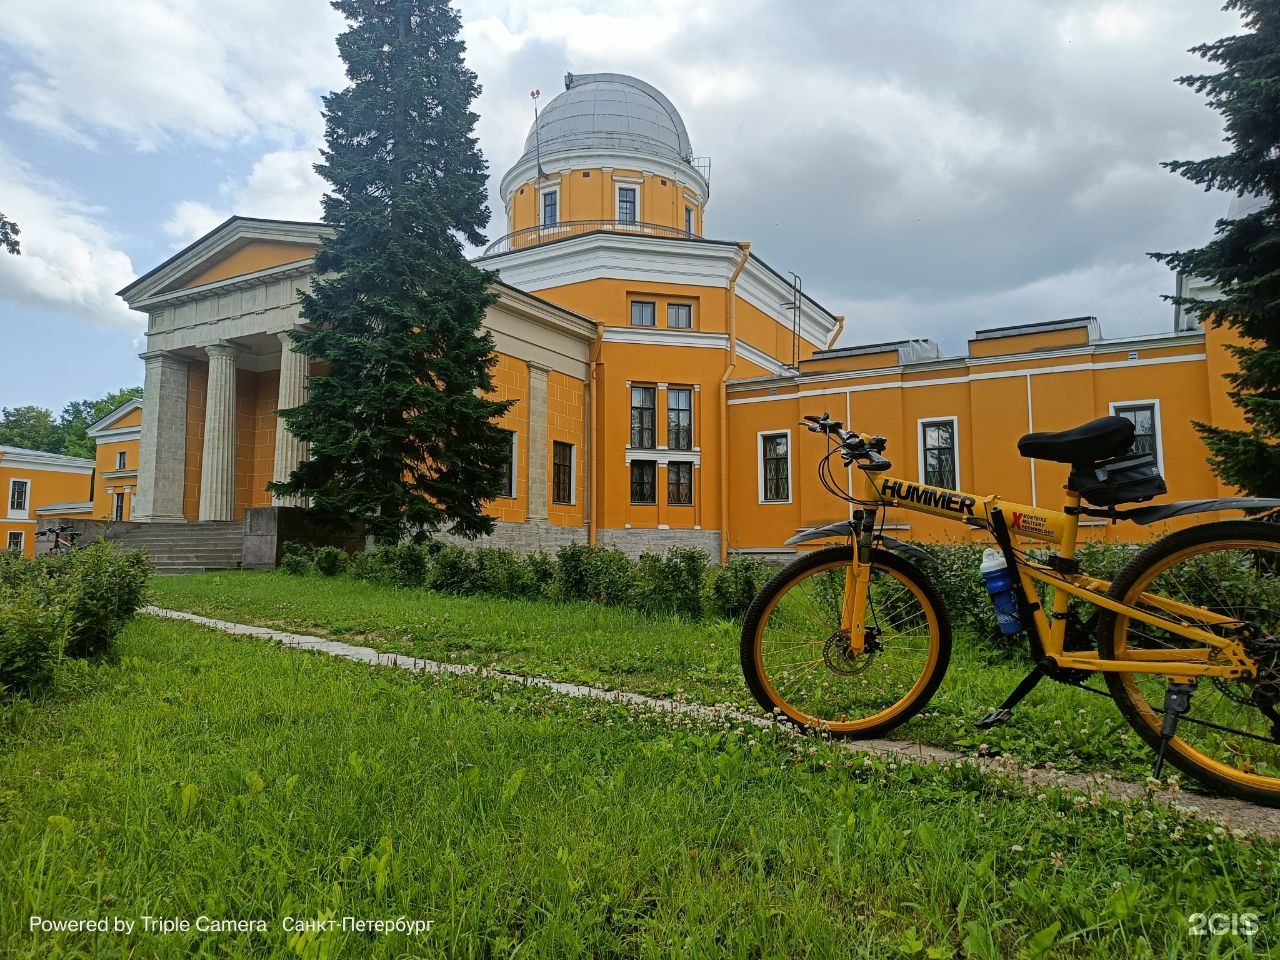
{"x": 995, "y": 573}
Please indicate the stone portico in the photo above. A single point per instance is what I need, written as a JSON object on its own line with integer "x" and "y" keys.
{"x": 220, "y": 363}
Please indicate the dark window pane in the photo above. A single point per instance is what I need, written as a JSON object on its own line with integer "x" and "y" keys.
{"x": 643, "y": 481}
{"x": 940, "y": 454}
{"x": 680, "y": 418}
{"x": 562, "y": 472}
{"x": 1143, "y": 417}
{"x": 643, "y": 313}
{"x": 680, "y": 484}
{"x": 643, "y": 417}
{"x": 777, "y": 478}
{"x": 627, "y": 204}
{"x": 679, "y": 316}
{"x": 18, "y": 495}
{"x": 509, "y": 466}
{"x": 550, "y": 202}
{"x": 688, "y": 219}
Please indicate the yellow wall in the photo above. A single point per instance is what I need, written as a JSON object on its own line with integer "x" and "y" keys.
{"x": 106, "y": 456}
{"x": 46, "y": 486}
{"x": 991, "y": 413}
{"x": 251, "y": 258}
{"x": 591, "y": 194}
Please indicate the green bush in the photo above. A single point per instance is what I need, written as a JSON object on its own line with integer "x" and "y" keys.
{"x": 671, "y": 582}
{"x": 330, "y": 561}
{"x": 502, "y": 573}
{"x": 610, "y": 577}
{"x": 295, "y": 558}
{"x": 570, "y": 579}
{"x": 404, "y": 565}
{"x": 542, "y": 573}
{"x": 453, "y": 570}
{"x": 732, "y": 586}
{"x": 106, "y": 588}
{"x": 30, "y": 633}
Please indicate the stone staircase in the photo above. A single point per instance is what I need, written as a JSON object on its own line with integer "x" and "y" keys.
{"x": 185, "y": 547}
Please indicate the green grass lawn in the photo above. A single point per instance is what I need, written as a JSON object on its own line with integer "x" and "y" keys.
{"x": 622, "y": 649}
{"x": 205, "y": 775}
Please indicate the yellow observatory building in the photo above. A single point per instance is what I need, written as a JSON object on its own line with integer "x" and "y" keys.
{"x": 659, "y": 373}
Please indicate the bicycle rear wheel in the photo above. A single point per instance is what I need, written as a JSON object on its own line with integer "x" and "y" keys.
{"x": 1230, "y": 738}
{"x": 797, "y": 660}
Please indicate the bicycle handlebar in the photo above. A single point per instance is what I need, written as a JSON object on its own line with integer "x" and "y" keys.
{"x": 853, "y": 446}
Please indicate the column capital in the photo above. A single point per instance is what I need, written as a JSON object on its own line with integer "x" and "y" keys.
{"x": 222, "y": 348}
{"x": 534, "y": 366}
{"x": 286, "y": 336}
{"x": 162, "y": 356}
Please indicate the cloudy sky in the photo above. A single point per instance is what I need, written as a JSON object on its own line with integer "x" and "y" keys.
{"x": 928, "y": 167}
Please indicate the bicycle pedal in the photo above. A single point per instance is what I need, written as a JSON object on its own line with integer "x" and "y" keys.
{"x": 994, "y": 718}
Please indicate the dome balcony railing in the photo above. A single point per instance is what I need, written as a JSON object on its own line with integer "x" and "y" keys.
{"x": 547, "y": 233}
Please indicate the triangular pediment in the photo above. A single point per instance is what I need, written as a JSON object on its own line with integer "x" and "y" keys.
{"x": 240, "y": 246}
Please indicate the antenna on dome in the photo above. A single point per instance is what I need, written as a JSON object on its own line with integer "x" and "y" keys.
{"x": 537, "y": 133}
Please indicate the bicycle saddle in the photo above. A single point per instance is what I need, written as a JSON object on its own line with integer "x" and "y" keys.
{"x": 1087, "y": 443}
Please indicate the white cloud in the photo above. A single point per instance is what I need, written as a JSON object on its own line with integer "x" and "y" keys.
{"x": 282, "y": 184}
{"x": 70, "y": 261}
{"x": 151, "y": 72}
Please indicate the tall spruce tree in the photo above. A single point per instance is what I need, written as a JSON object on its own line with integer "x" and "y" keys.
{"x": 1243, "y": 259}
{"x": 401, "y": 434}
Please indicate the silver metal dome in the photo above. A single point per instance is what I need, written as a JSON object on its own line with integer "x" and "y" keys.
{"x": 604, "y": 111}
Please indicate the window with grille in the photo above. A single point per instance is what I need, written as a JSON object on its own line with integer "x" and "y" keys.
{"x": 642, "y": 417}
{"x": 680, "y": 484}
{"x": 680, "y": 315}
{"x": 643, "y": 313}
{"x": 680, "y": 418}
{"x": 15, "y": 541}
{"x": 776, "y": 466}
{"x": 1143, "y": 418}
{"x": 562, "y": 472}
{"x": 938, "y": 446}
{"x": 627, "y": 204}
{"x": 509, "y": 466}
{"x": 18, "y": 496}
{"x": 643, "y": 481}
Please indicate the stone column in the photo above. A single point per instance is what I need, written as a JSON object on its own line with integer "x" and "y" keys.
{"x": 163, "y": 449}
{"x": 290, "y": 451}
{"x": 218, "y": 466}
{"x": 538, "y": 471}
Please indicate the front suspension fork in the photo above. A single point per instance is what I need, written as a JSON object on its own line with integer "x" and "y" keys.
{"x": 857, "y": 583}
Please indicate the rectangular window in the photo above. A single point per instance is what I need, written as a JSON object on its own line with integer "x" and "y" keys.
{"x": 775, "y": 467}
{"x": 561, "y": 472}
{"x": 117, "y": 511}
{"x": 120, "y": 460}
{"x": 550, "y": 207}
{"x": 17, "y": 496}
{"x": 509, "y": 466}
{"x": 643, "y": 481}
{"x": 643, "y": 404}
{"x": 679, "y": 484}
{"x": 643, "y": 313}
{"x": 680, "y": 315}
{"x": 688, "y": 220}
{"x": 627, "y": 204}
{"x": 1143, "y": 417}
{"x": 680, "y": 418}
{"x": 15, "y": 541}
{"x": 938, "y": 450}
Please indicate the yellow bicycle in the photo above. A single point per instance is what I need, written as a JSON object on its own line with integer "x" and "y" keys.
{"x": 854, "y": 639}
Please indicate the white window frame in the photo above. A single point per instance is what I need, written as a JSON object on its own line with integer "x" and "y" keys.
{"x": 690, "y": 220}
{"x": 554, "y": 188}
{"x": 955, "y": 440}
{"x": 760, "y": 435}
{"x": 1155, "y": 415}
{"x": 573, "y": 474}
{"x": 25, "y": 513}
{"x": 122, "y": 460}
{"x": 117, "y": 506}
{"x": 618, "y": 187}
{"x": 22, "y": 540}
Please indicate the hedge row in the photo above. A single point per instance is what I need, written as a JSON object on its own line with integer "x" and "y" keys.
{"x": 60, "y": 606}
{"x": 679, "y": 582}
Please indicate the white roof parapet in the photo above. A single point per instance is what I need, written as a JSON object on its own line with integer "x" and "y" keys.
{"x": 43, "y": 460}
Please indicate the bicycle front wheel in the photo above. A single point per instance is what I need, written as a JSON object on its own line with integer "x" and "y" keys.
{"x": 1230, "y": 738}
{"x": 797, "y": 661}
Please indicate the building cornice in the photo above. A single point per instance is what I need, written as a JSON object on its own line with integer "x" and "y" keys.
{"x": 103, "y": 427}
{"x": 40, "y": 460}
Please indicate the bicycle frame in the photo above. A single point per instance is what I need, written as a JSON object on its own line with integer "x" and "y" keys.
{"x": 1046, "y": 632}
